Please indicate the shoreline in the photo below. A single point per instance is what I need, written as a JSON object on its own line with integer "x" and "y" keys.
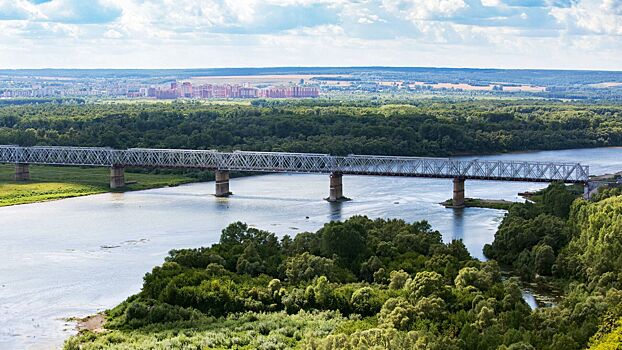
{"x": 60, "y": 196}
{"x": 87, "y": 186}
{"x": 93, "y": 323}
{"x": 53, "y": 183}
{"x": 499, "y": 204}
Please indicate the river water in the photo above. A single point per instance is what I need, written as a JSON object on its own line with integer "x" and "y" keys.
{"x": 77, "y": 256}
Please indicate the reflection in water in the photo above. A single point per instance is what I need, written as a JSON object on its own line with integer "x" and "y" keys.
{"x": 266, "y": 198}
{"x": 530, "y": 299}
{"x": 221, "y": 203}
{"x": 54, "y": 265}
{"x": 335, "y": 211}
{"x": 458, "y": 223}
{"x": 540, "y": 295}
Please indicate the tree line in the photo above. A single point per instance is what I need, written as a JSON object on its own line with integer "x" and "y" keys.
{"x": 375, "y": 283}
{"x": 419, "y": 128}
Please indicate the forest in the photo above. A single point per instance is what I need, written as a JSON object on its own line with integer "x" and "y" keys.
{"x": 412, "y": 128}
{"x": 365, "y": 283}
{"x": 386, "y": 284}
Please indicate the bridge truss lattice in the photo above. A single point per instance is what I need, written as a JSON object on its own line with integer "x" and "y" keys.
{"x": 300, "y": 163}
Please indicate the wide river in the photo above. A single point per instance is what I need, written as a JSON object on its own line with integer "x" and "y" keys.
{"x": 77, "y": 256}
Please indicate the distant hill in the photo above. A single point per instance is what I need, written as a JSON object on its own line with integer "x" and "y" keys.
{"x": 432, "y": 75}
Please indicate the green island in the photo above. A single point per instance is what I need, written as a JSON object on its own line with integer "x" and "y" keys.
{"x": 51, "y": 183}
{"x": 386, "y": 284}
{"x": 481, "y": 203}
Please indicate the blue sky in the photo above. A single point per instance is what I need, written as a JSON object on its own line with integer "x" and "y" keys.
{"x": 562, "y": 34}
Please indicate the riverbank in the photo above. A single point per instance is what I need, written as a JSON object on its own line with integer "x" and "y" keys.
{"x": 93, "y": 323}
{"x": 292, "y": 287}
{"x": 56, "y": 263}
{"x": 500, "y": 204}
{"x": 342, "y": 295}
{"x": 53, "y": 183}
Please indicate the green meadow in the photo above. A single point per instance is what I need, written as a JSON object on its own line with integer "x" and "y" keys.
{"x": 52, "y": 182}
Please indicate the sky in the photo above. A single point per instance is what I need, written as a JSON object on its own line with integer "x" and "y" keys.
{"x": 555, "y": 34}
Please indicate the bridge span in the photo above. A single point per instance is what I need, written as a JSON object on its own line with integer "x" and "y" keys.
{"x": 280, "y": 162}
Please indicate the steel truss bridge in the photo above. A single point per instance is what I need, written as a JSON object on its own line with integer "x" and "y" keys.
{"x": 278, "y": 162}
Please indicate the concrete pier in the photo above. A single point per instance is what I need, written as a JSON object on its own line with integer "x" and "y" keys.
{"x": 336, "y": 188}
{"x": 458, "y": 197}
{"x": 22, "y": 172}
{"x": 117, "y": 176}
{"x": 222, "y": 183}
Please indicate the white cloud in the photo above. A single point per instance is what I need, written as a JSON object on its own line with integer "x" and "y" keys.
{"x": 592, "y": 16}
{"x": 18, "y": 10}
{"x": 491, "y": 2}
{"x": 112, "y": 34}
{"x": 369, "y": 19}
{"x": 424, "y": 9}
{"x": 204, "y": 33}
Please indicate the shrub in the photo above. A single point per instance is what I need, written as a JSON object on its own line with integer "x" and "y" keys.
{"x": 366, "y": 301}
{"x": 398, "y": 279}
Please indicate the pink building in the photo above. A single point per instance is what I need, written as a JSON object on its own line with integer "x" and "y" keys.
{"x": 187, "y": 90}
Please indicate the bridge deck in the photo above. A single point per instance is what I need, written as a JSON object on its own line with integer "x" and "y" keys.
{"x": 300, "y": 163}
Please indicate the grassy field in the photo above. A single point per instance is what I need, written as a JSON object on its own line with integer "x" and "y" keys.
{"x": 50, "y": 183}
{"x": 249, "y": 330}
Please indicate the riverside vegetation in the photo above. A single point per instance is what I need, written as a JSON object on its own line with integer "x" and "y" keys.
{"x": 409, "y": 127}
{"x": 363, "y": 284}
{"x": 50, "y": 183}
{"x": 436, "y": 127}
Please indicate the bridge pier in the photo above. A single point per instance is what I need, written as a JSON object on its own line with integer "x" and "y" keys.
{"x": 336, "y": 188}
{"x": 117, "y": 176}
{"x": 222, "y": 183}
{"x": 22, "y": 172}
{"x": 458, "y": 197}
{"x": 589, "y": 188}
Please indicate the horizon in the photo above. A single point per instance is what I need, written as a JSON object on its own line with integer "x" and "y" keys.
{"x": 307, "y": 67}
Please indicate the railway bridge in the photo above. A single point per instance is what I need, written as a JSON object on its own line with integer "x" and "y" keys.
{"x": 222, "y": 163}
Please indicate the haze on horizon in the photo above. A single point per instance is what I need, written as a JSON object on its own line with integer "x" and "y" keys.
{"x": 548, "y": 34}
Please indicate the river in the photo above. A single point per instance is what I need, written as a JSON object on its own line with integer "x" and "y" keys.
{"x": 77, "y": 256}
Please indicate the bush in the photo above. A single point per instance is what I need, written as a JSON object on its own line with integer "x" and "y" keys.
{"x": 424, "y": 284}
{"x": 306, "y": 267}
{"x": 398, "y": 279}
{"x": 366, "y": 301}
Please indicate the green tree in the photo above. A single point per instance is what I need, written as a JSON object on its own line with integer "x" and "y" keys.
{"x": 472, "y": 276}
{"x": 398, "y": 279}
{"x": 366, "y": 301}
{"x": 346, "y": 241}
{"x": 398, "y": 313}
{"x": 425, "y": 283}
{"x": 305, "y": 267}
{"x": 544, "y": 258}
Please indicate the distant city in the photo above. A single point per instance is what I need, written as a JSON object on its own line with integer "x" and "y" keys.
{"x": 173, "y": 90}
{"x": 187, "y": 90}
{"x": 306, "y": 82}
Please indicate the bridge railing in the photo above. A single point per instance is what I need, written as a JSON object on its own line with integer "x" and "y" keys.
{"x": 299, "y": 162}
{"x": 474, "y": 169}
{"x": 168, "y": 158}
{"x": 57, "y": 155}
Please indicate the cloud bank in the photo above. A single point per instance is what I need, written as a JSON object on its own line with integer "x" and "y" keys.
{"x": 583, "y": 34}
